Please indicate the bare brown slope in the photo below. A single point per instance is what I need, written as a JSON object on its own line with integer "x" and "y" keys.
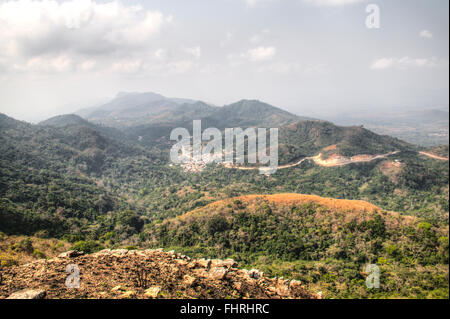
{"x": 292, "y": 199}
{"x": 331, "y": 207}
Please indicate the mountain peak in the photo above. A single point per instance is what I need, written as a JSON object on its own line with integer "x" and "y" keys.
{"x": 65, "y": 120}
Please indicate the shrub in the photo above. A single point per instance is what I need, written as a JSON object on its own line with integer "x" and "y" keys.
{"x": 87, "y": 246}
{"x": 217, "y": 224}
{"x": 25, "y": 245}
{"x": 38, "y": 254}
{"x": 7, "y": 260}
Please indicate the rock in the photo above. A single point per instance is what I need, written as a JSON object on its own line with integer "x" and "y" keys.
{"x": 295, "y": 284}
{"x": 255, "y": 274}
{"x": 28, "y": 294}
{"x": 71, "y": 254}
{"x": 103, "y": 252}
{"x": 153, "y": 292}
{"x": 217, "y": 273}
{"x": 119, "y": 252}
{"x": 205, "y": 263}
{"x": 283, "y": 288}
{"x": 181, "y": 262}
{"x": 119, "y": 288}
{"x": 189, "y": 280}
{"x": 229, "y": 263}
{"x": 237, "y": 285}
{"x": 128, "y": 295}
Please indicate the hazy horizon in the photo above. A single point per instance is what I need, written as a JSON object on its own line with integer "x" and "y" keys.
{"x": 309, "y": 57}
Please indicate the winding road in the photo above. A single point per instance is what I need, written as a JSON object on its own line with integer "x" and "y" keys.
{"x": 342, "y": 161}
{"x": 434, "y": 156}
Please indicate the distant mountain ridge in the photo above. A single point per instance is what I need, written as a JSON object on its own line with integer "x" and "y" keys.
{"x": 66, "y": 120}
{"x": 128, "y": 109}
{"x": 134, "y": 109}
{"x": 149, "y": 118}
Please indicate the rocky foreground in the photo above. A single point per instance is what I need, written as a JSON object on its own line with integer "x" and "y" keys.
{"x": 148, "y": 274}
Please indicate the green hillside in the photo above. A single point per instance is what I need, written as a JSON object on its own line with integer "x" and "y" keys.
{"x": 324, "y": 243}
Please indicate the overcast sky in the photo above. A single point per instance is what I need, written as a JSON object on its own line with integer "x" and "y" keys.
{"x": 310, "y": 57}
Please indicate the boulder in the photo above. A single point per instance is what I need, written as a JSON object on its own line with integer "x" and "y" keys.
{"x": 71, "y": 254}
{"x": 128, "y": 295}
{"x": 153, "y": 292}
{"x": 119, "y": 288}
{"x": 217, "y": 273}
{"x": 189, "y": 280}
{"x": 103, "y": 252}
{"x": 204, "y": 263}
{"x": 29, "y": 294}
{"x": 255, "y": 274}
{"x": 229, "y": 263}
{"x": 295, "y": 284}
{"x": 119, "y": 252}
{"x": 283, "y": 288}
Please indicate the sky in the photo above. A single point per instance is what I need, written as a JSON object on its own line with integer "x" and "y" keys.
{"x": 310, "y": 57}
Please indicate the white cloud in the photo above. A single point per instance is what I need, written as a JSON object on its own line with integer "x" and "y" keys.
{"x": 228, "y": 39}
{"x": 383, "y": 63}
{"x": 160, "y": 54}
{"x": 48, "y": 36}
{"x": 261, "y": 54}
{"x": 332, "y": 3}
{"x": 33, "y": 28}
{"x": 196, "y": 52}
{"x": 88, "y": 65}
{"x": 286, "y": 68}
{"x": 407, "y": 63}
{"x": 426, "y": 34}
{"x": 257, "y": 38}
{"x": 130, "y": 66}
{"x": 61, "y": 63}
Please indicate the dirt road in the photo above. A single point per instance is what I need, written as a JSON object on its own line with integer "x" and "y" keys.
{"x": 337, "y": 160}
{"x": 333, "y": 162}
{"x": 434, "y": 156}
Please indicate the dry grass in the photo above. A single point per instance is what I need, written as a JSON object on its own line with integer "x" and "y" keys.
{"x": 328, "y": 208}
{"x": 48, "y": 247}
{"x": 341, "y": 205}
{"x": 330, "y": 148}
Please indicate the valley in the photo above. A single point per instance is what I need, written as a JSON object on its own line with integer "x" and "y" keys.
{"x": 342, "y": 197}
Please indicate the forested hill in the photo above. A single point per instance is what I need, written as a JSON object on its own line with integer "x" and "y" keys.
{"x": 308, "y": 138}
{"x": 322, "y": 242}
{"x": 51, "y": 177}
